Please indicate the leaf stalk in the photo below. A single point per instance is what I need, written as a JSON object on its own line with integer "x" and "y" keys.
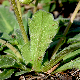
{"x": 19, "y": 8}
{"x": 35, "y": 7}
{"x": 25, "y": 38}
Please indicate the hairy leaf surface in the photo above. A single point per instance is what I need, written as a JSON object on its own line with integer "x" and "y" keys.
{"x": 42, "y": 29}
{"x": 70, "y": 61}
{"x": 26, "y": 53}
{"x": 74, "y": 39}
{"x": 9, "y": 51}
{"x": 6, "y": 73}
{"x": 20, "y": 73}
{"x": 72, "y": 55}
{"x": 70, "y": 65}
{"x": 58, "y": 57}
{"x": 6, "y": 61}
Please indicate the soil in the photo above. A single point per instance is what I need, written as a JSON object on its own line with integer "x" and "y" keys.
{"x": 73, "y": 74}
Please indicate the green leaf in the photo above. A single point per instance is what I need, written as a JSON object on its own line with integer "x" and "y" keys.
{"x": 9, "y": 51}
{"x": 25, "y": 20}
{"x": 6, "y": 61}
{"x": 42, "y": 29}
{"x": 20, "y": 73}
{"x": 7, "y": 20}
{"x": 20, "y": 66}
{"x": 70, "y": 61}
{"x": 70, "y": 65}
{"x": 46, "y": 5}
{"x": 26, "y": 53}
{"x": 19, "y": 37}
{"x": 16, "y": 52}
{"x": 6, "y": 73}
{"x": 49, "y": 51}
{"x": 58, "y": 57}
{"x": 53, "y": 7}
{"x": 71, "y": 56}
{"x": 74, "y": 39}
{"x": 9, "y": 38}
{"x": 26, "y": 1}
{"x": 5, "y": 36}
{"x": 6, "y": 3}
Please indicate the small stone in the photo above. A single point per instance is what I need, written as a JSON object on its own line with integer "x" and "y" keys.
{"x": 22, "y": 78}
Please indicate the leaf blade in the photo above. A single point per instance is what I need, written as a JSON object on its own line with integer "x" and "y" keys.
{"x": 42, "y": 29}
{"x": 6, "y": 73}
{"x": 58, "y": 57}
{"x": 70, "y": 65}
{"x": 6, "y": 61}
{"x": 7, "y": 20}
{"x": 26, "y": 53}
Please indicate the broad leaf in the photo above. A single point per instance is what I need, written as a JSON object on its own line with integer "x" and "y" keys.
{"x": 6, "y": 61}
{"x": 7, "y": 20}
{"x": 6, "y": 73}
{"x": 42, "y": 29}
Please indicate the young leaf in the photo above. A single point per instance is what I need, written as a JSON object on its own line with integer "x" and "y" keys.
{"x": 42, "y": 29}
{"x": 6, "y": 61}
{"x": 6, "y": 73}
